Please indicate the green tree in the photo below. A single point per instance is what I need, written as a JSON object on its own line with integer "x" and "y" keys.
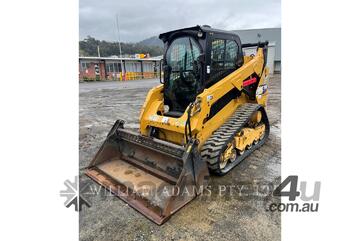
{"x": 88, "y": 47}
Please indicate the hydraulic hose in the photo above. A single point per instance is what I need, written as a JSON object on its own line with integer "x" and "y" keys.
{"x": 187, "y": 124}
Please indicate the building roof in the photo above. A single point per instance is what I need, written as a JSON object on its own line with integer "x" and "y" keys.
{"x": 269, "y": 34}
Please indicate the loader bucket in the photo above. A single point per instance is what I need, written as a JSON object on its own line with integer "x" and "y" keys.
{"x": 155, "y": 177}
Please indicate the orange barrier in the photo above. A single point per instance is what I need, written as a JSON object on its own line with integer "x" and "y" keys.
{"x": 139, "y": 75}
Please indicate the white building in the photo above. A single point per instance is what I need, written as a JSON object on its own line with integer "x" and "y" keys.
{"x": 273, "y": 35}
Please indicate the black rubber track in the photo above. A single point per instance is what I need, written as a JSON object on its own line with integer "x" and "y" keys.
{"x": 217, "y": 143}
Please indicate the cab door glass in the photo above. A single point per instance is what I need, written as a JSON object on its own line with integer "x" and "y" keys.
{"x": 231, "y": 54}
{"x": 217, "y": 53}
{"x": 223, "y": 59}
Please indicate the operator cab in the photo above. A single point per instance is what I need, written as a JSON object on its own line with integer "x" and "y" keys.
{"x": 194, "y": 59}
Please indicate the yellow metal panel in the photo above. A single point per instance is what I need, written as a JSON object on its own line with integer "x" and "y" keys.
{"x": 173, "y": 129}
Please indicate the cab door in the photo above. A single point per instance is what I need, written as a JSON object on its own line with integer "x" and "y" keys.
{"x": 223, "y": 56}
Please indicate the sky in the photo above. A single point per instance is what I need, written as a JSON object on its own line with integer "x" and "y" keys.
{"x": 139, "y": 20}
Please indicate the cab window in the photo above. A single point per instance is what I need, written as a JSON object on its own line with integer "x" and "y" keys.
{"x": 231, "y": 53}
{"x": 223, "y": 59}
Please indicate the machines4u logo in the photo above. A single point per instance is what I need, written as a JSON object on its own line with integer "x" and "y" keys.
{"x": 299, "y": 198}
{"x": 74, "y": 194}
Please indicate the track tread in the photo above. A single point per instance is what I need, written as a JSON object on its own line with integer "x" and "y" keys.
{"x": 216, "y": 144}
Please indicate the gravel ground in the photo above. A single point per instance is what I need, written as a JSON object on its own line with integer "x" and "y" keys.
{"x": 229, "y": 216}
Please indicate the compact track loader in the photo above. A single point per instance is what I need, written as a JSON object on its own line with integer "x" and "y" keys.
{"x": 207, "y": 114}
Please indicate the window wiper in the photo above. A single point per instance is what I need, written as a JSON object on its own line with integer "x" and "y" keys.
{"x": 192, "y": 50}
{"x": 194, "y": 62}
{"x": 185, "y": 60}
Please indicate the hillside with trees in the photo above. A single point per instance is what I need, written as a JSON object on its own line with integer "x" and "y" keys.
{"x": 89, "y": 47}
{"x": 152, "y": 41}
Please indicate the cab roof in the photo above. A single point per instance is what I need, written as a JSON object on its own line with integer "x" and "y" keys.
{"x": 204, "y": 28}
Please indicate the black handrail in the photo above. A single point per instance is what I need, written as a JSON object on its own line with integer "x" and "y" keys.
{"x": 258, "y": 44}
